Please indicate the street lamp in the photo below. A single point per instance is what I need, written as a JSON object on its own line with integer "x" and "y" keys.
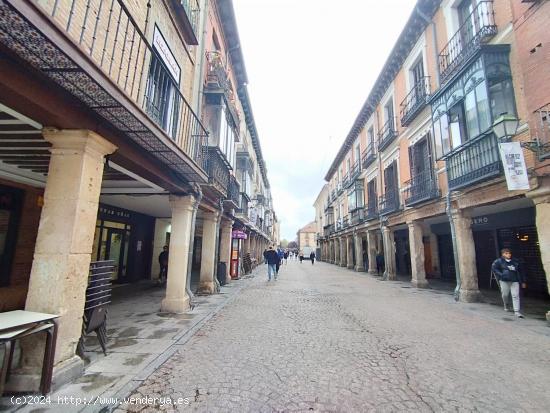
{"x": 505, "y": 127}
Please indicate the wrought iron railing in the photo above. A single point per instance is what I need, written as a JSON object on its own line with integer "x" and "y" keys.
{"x": 422, "y": 187}
{"x": 477, "y": 29}
{"x": 387, "y": 134}
{"x": 369, "y": 155}
{"x": 339, "y": 188}
{"x": 357, "y": 216}
{"x": 243, "y": 206}
{"x": 415, "y": 101}
{"x": 192, "y": 10}
{"x": 474, "y": 161}
{"x": 113, "y": 40}
{"x": 233, "y": 191}
{"x": 371, "y": 211}
{"x": 328, "y": 229}
{"x": 345, "y": 222}
{"x": 355, "y": 170}
{"x": 217, "y": 170}
{"x": 346, "y": 181}
{"x": 389, "y": 202}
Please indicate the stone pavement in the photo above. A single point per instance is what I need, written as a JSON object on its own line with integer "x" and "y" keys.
{"x": 140, "y": 339}
{"x": 323, "y": 338}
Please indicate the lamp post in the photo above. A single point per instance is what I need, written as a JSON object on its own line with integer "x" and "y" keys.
{"x": 505, "y": 127}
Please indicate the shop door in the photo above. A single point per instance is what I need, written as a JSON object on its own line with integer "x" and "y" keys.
{"x": 117, "y": 250}
{"x": 446, "y": 257}
{"x": 486, "y": 253}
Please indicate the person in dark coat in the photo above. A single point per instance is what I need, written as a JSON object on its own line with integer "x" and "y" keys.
{"x": 312, "y": 257}
{"x": 301, "y": 256}
{"x": 163, "y": 262}
{"x": 272, "y": 259}
{"x": 509, "y": 274}
{"x": 380, "y": 264}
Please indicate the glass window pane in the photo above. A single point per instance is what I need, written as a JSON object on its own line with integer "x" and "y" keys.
{"x": 483, "y": 114}
{"x": 471, "y": 114}
{"x": 502, "y": 98}
{"x": 455, "y": 126}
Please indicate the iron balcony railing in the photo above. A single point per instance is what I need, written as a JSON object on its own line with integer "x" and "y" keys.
{"x": 474, "y": 161}
{"x": 477, "y": 29}
{"x": 192, "y": 10}
{"x": 422, "y": 187}
{"x": 371, "y": 211}
{"x": 415, "y": 101}
{"x": 217, "y": 76}
{"x": 217, "y": 170}
{"x": 389, "y": 202}
{"x": 369, "y": 155}
{"x": 542, "y": 130}
{"x": 346, "y": 181}
{"x": 345, "y": 222}
{"x": 243, "y": 206}
{"x": 387, "y": 134}
{"x": 113, "y": 40}
{"x": 355, "y": 170}
{"x": 339, "y": 188}
{"x": 358, "y": 216}
{"x": 233, "y": 191}
{"x": 328, "y": 229}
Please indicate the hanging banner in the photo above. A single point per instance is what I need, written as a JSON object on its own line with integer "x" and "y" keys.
{"x": 513, "y": 162}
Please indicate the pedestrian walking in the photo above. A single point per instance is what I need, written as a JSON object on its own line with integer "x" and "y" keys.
{"x": 281, "y": 255}
{"x": 312, "y": 257}
{"x": 301, "y": 256}
{"x": 380, "y": 264}
{"x": 509, "y": 274}
{"x": 163, "y": 262}
{"x": 286, "y": 257}
{"x": 271, "y": 258}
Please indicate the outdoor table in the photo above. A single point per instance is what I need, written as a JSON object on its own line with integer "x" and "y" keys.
{"x": 17, "y": 324}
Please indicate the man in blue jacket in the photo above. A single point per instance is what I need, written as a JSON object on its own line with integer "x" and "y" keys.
{"x": 272, "y": 259}
{"x": 509, "y": 275}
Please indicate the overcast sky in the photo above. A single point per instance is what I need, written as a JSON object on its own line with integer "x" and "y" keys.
{"x": 310, "y": 65}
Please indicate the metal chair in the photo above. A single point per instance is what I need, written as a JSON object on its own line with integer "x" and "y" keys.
{"x": 98, "y": 295}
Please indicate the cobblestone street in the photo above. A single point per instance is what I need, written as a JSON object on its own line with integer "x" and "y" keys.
{"x": 322, "y": 338}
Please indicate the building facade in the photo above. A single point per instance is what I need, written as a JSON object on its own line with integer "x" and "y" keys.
{"x": 419, "y": 177}
{"x": 306, "y": 238}
{"x": 121, "y": 130}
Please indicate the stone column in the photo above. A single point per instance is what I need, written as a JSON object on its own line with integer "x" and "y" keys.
{"x": 389, "y": 254}
{"x": 207, "y": 284}
{"x": 349, "y": 252}
{"x": 336, "y": 251}
{"x": 177, "y": 299}
{"x": 343, "y": 252}
{"x": 541, "y": 198}
{"x": 225, "y": 245}
{"x": 62, "y": 253}
{"x": 416, "y": 246}
{"x": 358, "y": 241}
{"x": 371, "y": 251}
{"x": 469, "y": 289}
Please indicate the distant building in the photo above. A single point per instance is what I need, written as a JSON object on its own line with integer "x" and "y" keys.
{"x": 306, "y": 238}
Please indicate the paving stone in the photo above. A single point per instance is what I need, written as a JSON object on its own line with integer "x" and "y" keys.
{"x": 327, "y": 339}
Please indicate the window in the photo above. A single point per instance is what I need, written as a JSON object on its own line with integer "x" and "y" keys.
{"x": 370, "y": 137}
{"x": 356, "y": 196}
{"x": 162, "y": 99}
{"x": 441, "y": 134}
{"x": 371, "y": 194}
{"x": 227, "y": 136}
{"x": 456, "y": 125}
{"x": 502, "y": 97}
{"x": 357, "y": 153}
{"x": 388, "y": 114}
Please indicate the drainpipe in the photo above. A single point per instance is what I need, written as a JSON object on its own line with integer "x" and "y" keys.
{"x": 448, "y": 209}
{"x": 197, "y": 192}
{"x": 200, "y": 63}
{"x": 434, "y": 39}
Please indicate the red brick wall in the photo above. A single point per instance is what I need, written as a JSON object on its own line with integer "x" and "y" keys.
{"x": 13, "y": 296}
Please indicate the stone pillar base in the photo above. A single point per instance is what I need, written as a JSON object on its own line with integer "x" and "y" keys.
{"x": 342, "y": 265}
{"x": 420, "y": 284}
{"x": 63, "y": 373}
{"x": 373, "y": 272}
{"x": 175, "y": 305}
{"x": 470, "y": 296}
{"x": 390, "y": 277}
{"x": 350, "y": 267}
{"x": 206, "y": 287}
{"x": 359, "y": 269}
{"x": 548, "y": 316}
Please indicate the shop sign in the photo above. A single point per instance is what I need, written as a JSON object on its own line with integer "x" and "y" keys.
{"x": 482, "y": 220}
{"x": 239, "y": 234}
{"x": 514, "y": 166}
{"x": 165, "y": 54}
{"x": 113, "y": 212}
